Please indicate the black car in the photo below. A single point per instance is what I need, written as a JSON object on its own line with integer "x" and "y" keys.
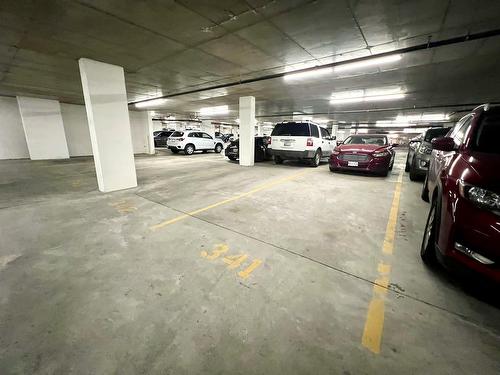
{"x": 262, "y": 153}
{"x": 161, "y": 138}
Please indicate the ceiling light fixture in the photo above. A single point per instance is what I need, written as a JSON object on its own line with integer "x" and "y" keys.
{"x": 218, "y": 110}
{"x": 151, "y": 103}
{"x": 369, "y": 62}
{"x": 368, "y": 95}
{"x": 307, "y": 74}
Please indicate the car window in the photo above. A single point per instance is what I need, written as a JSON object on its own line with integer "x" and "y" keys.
{"x": 324, "y": 133}
{"x": 434, "y": 133}
{"x": 366, "y": 139}
{"x": 314, "y": 131}
{"x": 459, "y": 135}
{"x": 487, "y": 134}
{"x": 205, "y": 135}
{"x": 177, "y": 134}
{"x": 194, "y": 135}
{"x": 295, "y": 129}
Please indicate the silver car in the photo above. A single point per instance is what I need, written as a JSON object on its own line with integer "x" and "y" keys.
{"x": 419, "y": 162}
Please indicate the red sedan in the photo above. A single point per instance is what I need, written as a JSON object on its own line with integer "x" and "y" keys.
{"x": 367, "y": 153}
{"x": 463, "y": 185}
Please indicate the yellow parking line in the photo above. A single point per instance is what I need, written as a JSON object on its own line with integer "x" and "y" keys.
{"x": 232, "y": 199}
{"x": 374, "y": 324}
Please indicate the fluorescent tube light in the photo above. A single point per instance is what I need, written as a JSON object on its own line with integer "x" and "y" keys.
{"x": 219, "y": 110}
{"x": 151, "y": 103}
{"x": 308, "y": 74}
{"x": 369, "y": 62}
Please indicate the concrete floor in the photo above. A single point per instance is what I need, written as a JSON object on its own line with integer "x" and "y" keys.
{"x": 89, "y": 284}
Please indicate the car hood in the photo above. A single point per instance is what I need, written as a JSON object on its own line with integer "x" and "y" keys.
{"x": 486, "y": 166}
{"x": 366, "y": 149}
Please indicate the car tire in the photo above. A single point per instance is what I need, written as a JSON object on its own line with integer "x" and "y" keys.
{"x": 232, "y": 158}
{"x": 332, "y": 169}
{"x": 428, "y": 248}
{"x": 425, "y": 189}
{"x": 278, "y": 160}
{"x": 218, "y": 148}
{"x": 189, "y": 149}
{"x": 174, "y": 150}
{"x": 316, "y": 159}
{"x": 413, "y": 172}
{"x": 407, "y": 165}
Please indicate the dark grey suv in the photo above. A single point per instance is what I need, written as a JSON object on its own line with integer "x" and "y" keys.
{"x": 418, "y": 164}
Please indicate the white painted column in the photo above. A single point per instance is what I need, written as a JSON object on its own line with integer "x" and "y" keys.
{"x": 43, "y": 128}
{"x": 109, "y": 124}
{"x": 247, "y": 130}
{"x": 151, "y": 140}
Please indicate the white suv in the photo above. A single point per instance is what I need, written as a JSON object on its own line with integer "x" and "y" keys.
{"x": 301, "y": 140}
{"x": 190, "y": 141}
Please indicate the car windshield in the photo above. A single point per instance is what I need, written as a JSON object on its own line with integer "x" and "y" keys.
{"x": 366, "y": 140}
{"x": 488, "y": 134}
{"x": 177, "y": 134}
{"x": 434, "y": 133}
{"x": 295, "y": 129}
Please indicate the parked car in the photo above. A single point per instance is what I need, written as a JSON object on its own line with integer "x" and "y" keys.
{"x": 412, "y": 148}
{"x": 463, "y": 186}
{"x": 417, "y": 162}
{"x": 261, "y": 150}
{"x": 161, "y": 138}
{"x": 363, "y": 152}
{"x": 308, "y": 141}
{"x": 191, "y": 141}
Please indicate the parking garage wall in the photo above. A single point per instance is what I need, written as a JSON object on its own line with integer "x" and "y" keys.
{"x": 12, "y": 139}
{"x": 13, "y": 142}
{"x": 76, "y": 129}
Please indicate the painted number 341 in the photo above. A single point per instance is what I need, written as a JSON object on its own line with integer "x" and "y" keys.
{"x": 232, "y": 261}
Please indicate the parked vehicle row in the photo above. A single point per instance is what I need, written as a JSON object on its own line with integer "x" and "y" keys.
{"x": 463, "y": 187}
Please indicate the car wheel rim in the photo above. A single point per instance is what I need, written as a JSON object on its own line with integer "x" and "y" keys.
{"x": 316, "y": 159}
{"x": 190, "y": 150}
{"x": 429, "y": 228}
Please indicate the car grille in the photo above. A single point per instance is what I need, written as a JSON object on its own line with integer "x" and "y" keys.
{"x": 353, "y": 157}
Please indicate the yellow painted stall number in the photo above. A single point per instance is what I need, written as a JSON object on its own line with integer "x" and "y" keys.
{"x": 233, "y": 261}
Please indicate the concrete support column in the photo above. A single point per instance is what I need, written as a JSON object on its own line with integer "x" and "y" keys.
{"x": 247, "y": 130}
{"x": 335, "y": 129}
{"x": 43, "y": 128}
{"x": 109, "y": 124}
{"x": 208, "y": 127}
{"x": 151, "y": 141}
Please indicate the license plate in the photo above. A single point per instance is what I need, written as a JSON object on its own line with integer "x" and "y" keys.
{"x": 287, "y": 143}
{"x": 352, "y": 164}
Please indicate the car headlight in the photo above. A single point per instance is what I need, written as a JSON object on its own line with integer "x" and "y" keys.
{"x": 480, "y": 197}
{"x": 380, "y": 154}
{"x": 424, "y": 149}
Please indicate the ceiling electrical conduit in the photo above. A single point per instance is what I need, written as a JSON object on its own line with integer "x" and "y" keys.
{"x": 419, "y": 47}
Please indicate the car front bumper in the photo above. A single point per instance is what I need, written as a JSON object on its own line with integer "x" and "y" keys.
{"x": 421, "y": 163}
{"x": 471, "y": 240}
{"x": 374, "y": 165}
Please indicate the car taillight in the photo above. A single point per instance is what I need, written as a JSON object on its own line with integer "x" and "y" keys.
{"x": 309, "y": 142}
{"x": 269, "y": 141}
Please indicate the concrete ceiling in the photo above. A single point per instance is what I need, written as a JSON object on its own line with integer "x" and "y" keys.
{"x": 167, "y": 47}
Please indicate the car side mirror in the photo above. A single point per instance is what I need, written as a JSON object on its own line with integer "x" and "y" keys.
{"x": 339, "y": 143}
{"x": 333, "y": 137}
{"x": 443, "y": 144}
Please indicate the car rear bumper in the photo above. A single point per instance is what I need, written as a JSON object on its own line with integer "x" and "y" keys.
{"x": 291, "y": 154}
{"x": 473, "y": 241}
{"x": 375, "y": 165}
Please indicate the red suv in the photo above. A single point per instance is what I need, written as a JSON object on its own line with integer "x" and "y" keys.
{"x": 463, "y": 185}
